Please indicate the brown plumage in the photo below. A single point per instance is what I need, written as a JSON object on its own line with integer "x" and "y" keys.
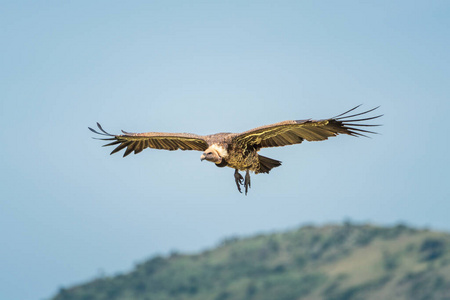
{"x": 240, "y": 150}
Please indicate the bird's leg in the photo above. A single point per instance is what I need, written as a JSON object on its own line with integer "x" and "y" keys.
{"x": 239, "y": 179}
{"x": 247, "y": 183}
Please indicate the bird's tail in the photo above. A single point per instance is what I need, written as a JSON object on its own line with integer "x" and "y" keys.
{"x": 266, "y": 164}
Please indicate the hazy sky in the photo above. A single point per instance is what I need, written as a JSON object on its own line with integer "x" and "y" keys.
{"x": 69, "y": 210}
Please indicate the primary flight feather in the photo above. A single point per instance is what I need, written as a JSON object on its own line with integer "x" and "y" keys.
{"x": 240, "y": 150}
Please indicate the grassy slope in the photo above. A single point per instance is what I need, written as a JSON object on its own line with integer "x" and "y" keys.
{"x": 330, "y": 263}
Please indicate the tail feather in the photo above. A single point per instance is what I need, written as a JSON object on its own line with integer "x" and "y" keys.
{"x": 266, "y": 164}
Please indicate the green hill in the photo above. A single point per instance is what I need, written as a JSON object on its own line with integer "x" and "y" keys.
{"x": 330, "y": 262}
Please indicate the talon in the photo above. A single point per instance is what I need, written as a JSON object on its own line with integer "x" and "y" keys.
{"x": 239, "y": 180}
{"x": 247, "y": 183}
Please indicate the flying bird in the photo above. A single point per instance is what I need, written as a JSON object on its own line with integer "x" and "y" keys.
{"x": 240, "y": 150}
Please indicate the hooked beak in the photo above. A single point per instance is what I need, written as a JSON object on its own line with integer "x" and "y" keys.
{"x": 203, "y": 157}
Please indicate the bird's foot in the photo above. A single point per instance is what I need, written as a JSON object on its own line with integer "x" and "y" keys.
{"x": 247, "y": 183}
{"x": 239, "y": 180}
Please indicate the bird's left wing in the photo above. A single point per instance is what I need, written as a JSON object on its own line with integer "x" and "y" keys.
{"x": 294, "y": 132}
{"x": 157, "y": 140}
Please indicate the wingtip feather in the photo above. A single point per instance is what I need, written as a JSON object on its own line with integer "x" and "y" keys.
{"x": 352, "y": 126}
{"x": 347, "y": 111}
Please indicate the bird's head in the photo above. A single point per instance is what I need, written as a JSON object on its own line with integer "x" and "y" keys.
{"x": 211, "y": 155}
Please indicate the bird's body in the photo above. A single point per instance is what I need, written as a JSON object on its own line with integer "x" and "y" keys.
{"x": 234, "y": 156}
{"x": 240, "y": 150}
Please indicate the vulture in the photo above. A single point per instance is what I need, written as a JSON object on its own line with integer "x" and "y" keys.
{"x": 240, "y": 150}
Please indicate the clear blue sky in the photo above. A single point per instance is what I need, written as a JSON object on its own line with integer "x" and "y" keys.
{"x": 68, "y": 209}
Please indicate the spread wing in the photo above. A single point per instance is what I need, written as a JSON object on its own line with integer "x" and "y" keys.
{"x": 157, "y": 140}
{"x": 294, "y": 132}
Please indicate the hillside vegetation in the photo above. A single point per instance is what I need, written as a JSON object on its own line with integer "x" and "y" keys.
{"x": 331, "y": 263}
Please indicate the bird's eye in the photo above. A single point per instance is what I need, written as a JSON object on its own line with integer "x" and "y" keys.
{"x": 209, "y": 153}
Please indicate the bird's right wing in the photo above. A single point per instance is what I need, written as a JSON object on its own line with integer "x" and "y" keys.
{"x": 157, "y": 140}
